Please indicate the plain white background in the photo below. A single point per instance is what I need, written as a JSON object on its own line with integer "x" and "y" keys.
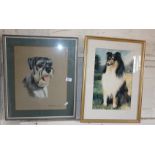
{"x": 77, "y": 139}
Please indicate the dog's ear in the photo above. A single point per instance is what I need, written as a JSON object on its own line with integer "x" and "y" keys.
{"x": 121, "y": 67}
{"x": 31, "y": 63}
{"x": 109, "y": 54}
{"x": 117, "y": 55}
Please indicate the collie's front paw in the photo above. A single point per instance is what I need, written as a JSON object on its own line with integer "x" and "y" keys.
{"x": 114, "y": 106}
{"x": 105, "y": 104}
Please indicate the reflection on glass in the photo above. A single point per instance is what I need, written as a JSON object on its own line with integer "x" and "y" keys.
{"x": 134, "y": 64}
{"x": 60, "y": 47}
{"x": 137, "y": 63}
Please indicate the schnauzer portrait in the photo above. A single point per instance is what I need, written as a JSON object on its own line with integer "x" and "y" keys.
{"x": 41, "y": 72}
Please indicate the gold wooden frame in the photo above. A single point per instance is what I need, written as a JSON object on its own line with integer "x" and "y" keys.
{"x": 138, "y": 118}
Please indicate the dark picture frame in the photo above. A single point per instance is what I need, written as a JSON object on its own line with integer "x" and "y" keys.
{"x": 9, "y": 99}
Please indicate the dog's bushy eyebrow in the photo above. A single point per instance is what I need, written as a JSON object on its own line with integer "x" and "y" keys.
{"x": 43, "y": 59}
{"x": 47, "y": 59}
{"x": 33, "y": 61}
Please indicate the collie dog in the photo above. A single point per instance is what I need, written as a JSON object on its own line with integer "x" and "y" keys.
{"x": 113, "y": 81}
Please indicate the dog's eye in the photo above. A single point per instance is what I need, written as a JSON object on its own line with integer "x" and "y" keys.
{"x": 50, "y": 65}
{"x": 40, "y": 65}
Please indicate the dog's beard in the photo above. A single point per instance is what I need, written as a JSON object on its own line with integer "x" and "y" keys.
{"x": 42, "y": 80}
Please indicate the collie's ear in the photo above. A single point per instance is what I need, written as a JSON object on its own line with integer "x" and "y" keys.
{"x": 118, "y": 55}
{"x": 109, "y": 54}
{"x": 121, "y": 68}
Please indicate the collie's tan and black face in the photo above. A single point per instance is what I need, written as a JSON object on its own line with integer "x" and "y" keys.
{"x": 110, "y": 59}
{"x": 42, "y": 70}
{"x": 115, "y": 62}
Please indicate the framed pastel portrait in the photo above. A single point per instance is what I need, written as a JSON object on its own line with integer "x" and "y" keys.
{"x": 112, "y": 80}
{"x": 39, "y": 77}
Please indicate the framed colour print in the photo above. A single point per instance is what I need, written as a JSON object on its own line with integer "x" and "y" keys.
{"x": 112, "y": 80}
{"x": 39, "y": 77}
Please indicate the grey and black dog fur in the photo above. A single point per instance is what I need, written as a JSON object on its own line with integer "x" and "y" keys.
{"x": 41, "y": 72}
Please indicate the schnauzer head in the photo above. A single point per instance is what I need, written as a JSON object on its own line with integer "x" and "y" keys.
{"x": 42, "y": 70}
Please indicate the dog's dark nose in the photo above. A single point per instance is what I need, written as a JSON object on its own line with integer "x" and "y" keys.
{"x": 48, "y": 69}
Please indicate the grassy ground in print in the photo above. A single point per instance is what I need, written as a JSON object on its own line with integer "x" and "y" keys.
{"x": 98, "y": 93}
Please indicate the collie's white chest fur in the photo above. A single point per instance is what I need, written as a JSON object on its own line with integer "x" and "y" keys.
{"x": 111, "y": 83}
